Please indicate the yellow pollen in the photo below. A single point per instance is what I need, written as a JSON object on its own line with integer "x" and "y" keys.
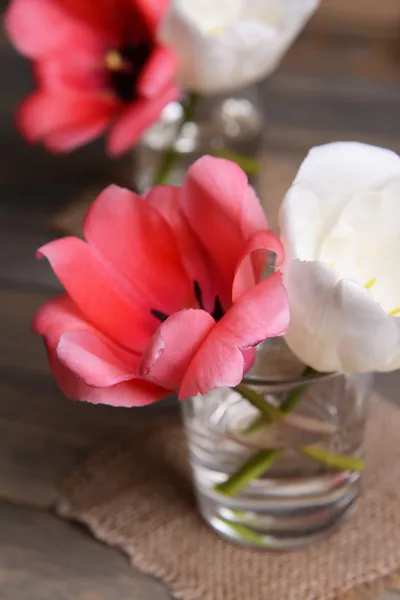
{"x": 114, "y": 61}
{"x": 216, "y": 30}
{"x": 394, "y": 312}
{"x": 370, "y": 283}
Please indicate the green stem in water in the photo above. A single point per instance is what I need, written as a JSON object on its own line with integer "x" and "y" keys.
{"x": 269, "y": 413}
{"x": 293, "y": 398}
{"x": 253, "y": 468}
{"x": 171, "y": 155}
{"x": 259, "y": 462}
{"x": 244, "y": 533}
{"x": 337, "y": 461}
{"x": 267, "y": 410}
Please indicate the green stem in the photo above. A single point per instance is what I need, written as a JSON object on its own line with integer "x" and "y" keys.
{"x": 171, "y": 155}
{"x": 244, "y": 533}
{"x": 293, "y": 398}
{"x": 253, "y": 468}
{"x": 269, "y": 413}
{"x": 251, "y": 166}
{"x": 259, "y": 462}
{"x": 267, "y": 410}
{"x": 337, "y": 461}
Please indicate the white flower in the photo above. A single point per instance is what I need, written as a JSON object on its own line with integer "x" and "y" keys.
{"x": 340, "y": 225}
{"x": 227, "y": 44}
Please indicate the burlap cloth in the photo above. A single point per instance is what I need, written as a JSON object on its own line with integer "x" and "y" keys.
{"x": 135, "y": 493}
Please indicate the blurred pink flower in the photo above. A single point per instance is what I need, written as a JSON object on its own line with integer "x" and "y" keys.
{"x": 165, "y": 294}
{"x": 98, "y": 64}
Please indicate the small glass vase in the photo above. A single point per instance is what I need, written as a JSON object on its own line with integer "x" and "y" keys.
{"x": 299, "y": 481}
{"x": 225, "y": 126}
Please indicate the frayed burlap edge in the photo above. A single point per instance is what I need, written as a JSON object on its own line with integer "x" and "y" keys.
{"x": 135, "y": 557}
{"x": 371, "y": 591}
{"x": 82, "y": 500}
{"x": 365, "y": 591}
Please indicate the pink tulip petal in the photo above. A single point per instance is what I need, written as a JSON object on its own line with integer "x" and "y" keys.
{"x": 136, "y": 119}
{"x": 152, "y": 11}
{"x": 85, "y": 351}
{"x": 253, "y": 214}
{"x": 68, "y": 140}
{"x": 107, "y": 17}
{"x": 80, "y": 68}
{"x": 166, "y": 200}
{"x": 261, "y": 313}
{"x": 253, "y": 261}
{"x": 158, "y": 73}
{"x": 225, "y": 368}
{"x": 173, "y": 347}
{"x": 249, "y": 356}
{"x": 95, "y": 360}
{"x": 219, "y": 205}
{"x": 38, "y": 27}
{"x": 57, "y": 316}
{"x": 129, "y": 233}
{"x": 104, "y": 296}
{"x": 65, "y": 120}
{"x": 127, "y": 394}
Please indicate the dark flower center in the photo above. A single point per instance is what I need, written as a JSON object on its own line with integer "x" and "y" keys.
{"x": 125, "y": 66}
{"x": 217, "y": 313}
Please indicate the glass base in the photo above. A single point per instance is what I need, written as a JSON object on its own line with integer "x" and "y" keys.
{"x": 279, "y": 515}
{"x": 286, "y": 483}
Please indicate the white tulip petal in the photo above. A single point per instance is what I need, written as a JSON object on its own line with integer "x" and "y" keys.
{"x": 342, "y": 168}
{"x": 241, "y": 54}
{"x": 187, "y": 41}
{"x": 294, "y": 14}
{"x": 364, "y": 244}
{"x": 300, "y": 221}
{"x": 327, "y": 180}
{"x": 335, "y": 324}
{"x": 227, "y": 44}
{"x": 209, "y": 16}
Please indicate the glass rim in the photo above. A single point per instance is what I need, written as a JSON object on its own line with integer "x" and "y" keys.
{"x": 290, "y": 382}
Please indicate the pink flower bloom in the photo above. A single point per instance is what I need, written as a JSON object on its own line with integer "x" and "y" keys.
{"x": 165, "y": 294}
{"x": 98, "y": 64}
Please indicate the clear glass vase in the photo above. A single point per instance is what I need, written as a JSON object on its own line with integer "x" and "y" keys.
{"x": 226, "y": 126}
{"x": 283, "y": 484}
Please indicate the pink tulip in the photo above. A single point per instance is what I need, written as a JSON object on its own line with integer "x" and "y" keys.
{"x": 98, "y": 64}
{"x": 165, "y": 294}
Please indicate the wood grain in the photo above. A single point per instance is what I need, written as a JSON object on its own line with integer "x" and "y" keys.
{"x": 41, "y": 433}
{"x": 339, "y": 81}
{"x": 43, "y": 558}
{"x": 358, "y": 16}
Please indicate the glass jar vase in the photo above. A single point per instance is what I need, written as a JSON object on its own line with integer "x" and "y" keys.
{"x": 284, "y": 482}
{"x": 225, "y": 126}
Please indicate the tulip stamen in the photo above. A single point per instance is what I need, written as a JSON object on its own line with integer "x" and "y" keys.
{"x": 114, "y": 61}
{"x": 199, "y": 294}
{"x": 218, "y": 311}
{"x": 125, "y": 65}
{"x": 370, "y": 283}
{"x": 394, "y": 312}
{"x": 158, "y": 314}
{"x": 216, "y": 30}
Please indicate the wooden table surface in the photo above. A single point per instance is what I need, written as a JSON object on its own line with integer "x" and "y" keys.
{"x": 327, "y": 88}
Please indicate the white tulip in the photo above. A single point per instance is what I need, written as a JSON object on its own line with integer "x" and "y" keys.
{"x": 227, "y": 44}
{"x": 340, "y": 224}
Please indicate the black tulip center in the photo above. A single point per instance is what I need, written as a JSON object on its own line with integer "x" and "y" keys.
{"x": 125, "y": 66}
{"x": 217, "y": 313}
